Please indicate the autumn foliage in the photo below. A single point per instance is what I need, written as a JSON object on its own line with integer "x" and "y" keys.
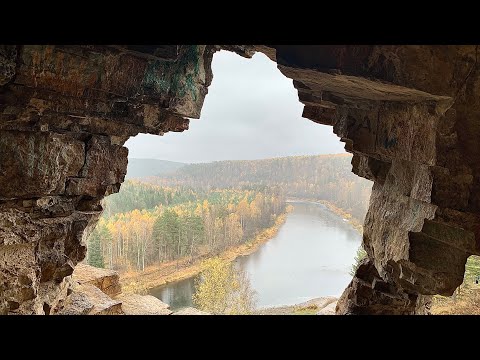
{"x": 320, "y": 177}
{"x": 206, "y": 222}
{"x": 223, "y": 289}
{"x": 204, "y": 209}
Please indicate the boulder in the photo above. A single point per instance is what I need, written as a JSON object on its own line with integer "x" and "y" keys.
{"x": 87, "y": 299}
{"x": 104, "y": 279}
{"x": 134, "y": 304}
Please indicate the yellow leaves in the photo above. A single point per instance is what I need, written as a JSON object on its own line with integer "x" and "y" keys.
{"x": 254, "y": 210}
{"x": 194, "y": 223}
{"x": 222, "y": 289}
{"x": 102, "y": 221}
{"x": 198, "y": 210}
{"x": 205, "y": 205}
{"x": 243, "y": 207}
{"x": 180, "y": 211}
{"x": 112, "y": 228}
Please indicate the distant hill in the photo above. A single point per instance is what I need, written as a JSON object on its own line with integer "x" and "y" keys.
{"x": 139, "y": 168}
{"x": 320, "y": 177}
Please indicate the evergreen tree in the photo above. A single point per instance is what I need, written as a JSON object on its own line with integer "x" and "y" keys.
{"x": 95, "y": 256}
{"x": 361, "y": 254}
{"x": 159, "y": 236}
{"x": 208, "y": 223}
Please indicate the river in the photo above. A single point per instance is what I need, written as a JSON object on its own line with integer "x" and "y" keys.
{"x": 310, "y": 257}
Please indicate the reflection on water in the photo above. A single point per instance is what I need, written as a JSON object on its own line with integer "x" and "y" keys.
{"x": 310, "y": 256}
{"x": 178, "y": 294}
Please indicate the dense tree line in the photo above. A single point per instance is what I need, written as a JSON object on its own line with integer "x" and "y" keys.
{"x": 205, "y": 222}
{"x": 322, "y": 177}
{"x": 205, "y": 208}
{"x": 138, "y": 195}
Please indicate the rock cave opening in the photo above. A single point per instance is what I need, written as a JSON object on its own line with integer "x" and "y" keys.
{"x": 408, "y": 114}
{"x": 251, "y": 113}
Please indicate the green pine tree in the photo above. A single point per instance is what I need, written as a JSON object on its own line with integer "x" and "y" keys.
{"x": 361, "y": 254}
{"x": 95, "y": 256}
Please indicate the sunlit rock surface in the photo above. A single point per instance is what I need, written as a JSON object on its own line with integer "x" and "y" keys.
{"x": 106, "y": 280}
{"x": 87, "y": 299}
{"x": 134, "y": 304}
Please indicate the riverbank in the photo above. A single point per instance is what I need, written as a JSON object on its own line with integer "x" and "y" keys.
{"x": 310, "y": 307}
{"x": 153, "y": 276}
{"x": 354, "y": 222}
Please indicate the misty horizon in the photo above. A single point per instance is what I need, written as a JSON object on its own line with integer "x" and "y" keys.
{"x": 267, "y": 158}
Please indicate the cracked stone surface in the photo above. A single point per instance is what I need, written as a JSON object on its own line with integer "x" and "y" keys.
{"x": 134, "y": 304}
{"x": 106, "y": 280}
{"x": 87, "y": 299}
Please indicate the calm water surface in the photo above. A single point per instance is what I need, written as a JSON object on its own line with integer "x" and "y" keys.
{"x": 310, "y": 256}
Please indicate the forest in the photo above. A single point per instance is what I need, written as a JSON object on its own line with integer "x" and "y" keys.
{"x": 203, "y": 209}
{"x": 320, "y": 177}
{"x": 174, "y": 223}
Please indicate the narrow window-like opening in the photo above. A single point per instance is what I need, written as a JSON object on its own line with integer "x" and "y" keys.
{"x": 466, "y": 298}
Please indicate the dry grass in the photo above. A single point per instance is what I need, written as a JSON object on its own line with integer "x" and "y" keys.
{"x": 467, "y": 302}
{"x": 306, "y": 310}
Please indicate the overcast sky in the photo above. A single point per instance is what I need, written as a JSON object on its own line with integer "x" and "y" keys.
{"x": 251, "y": 112}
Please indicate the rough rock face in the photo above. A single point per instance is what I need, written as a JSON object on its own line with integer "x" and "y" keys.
{"x": 95, "y": 291}
{"x": 409, "y": 114}
{"x": 65, "y": 112}
{"x": 87, "y": 299}
{"x": 106, "y": 280}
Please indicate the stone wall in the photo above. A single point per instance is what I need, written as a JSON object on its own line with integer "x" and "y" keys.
{"x": 65, "y": 112}
{"x": 407, "y": 113}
